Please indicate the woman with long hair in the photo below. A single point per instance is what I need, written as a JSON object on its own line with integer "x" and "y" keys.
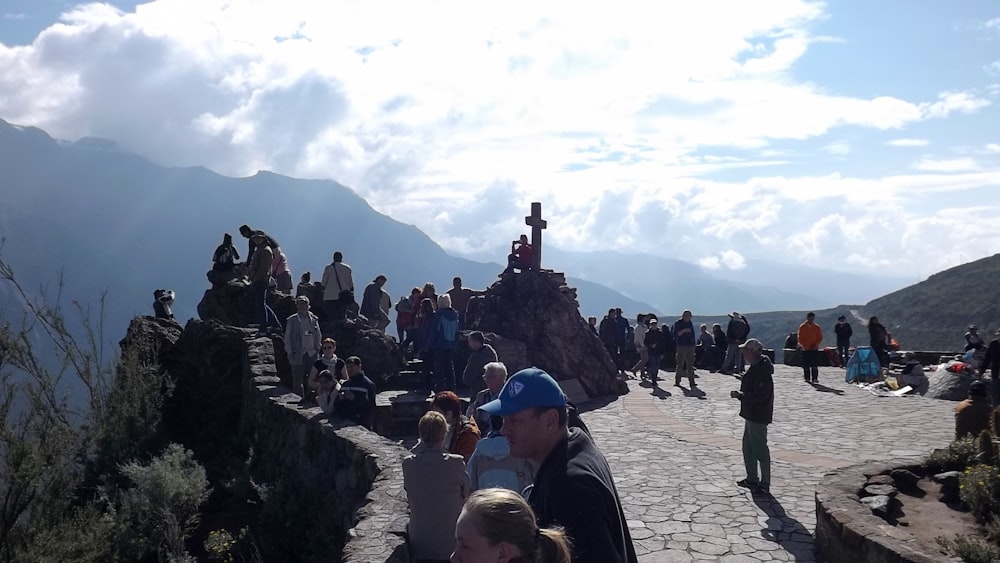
{"x": 498, "y": 525}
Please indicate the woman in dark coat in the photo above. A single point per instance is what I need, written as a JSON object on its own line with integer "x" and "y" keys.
{"x": 876, "y": 335}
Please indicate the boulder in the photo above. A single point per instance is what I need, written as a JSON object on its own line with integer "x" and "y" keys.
{"x": 230, "y": 304}
{"x": 879, "y": 505}
{"x": 538, "y": 309}
{"x": 380, "y": 354}
{"x": 943, "y": 384}
{"x": 880, "y": 490}
{"x": 904, "y": 479}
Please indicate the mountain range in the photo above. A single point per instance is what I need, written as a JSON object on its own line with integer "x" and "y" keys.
{"x": 102, "y": 219}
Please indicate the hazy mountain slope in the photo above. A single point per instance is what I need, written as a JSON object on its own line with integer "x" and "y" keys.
{"x": 116, "y": 221}
{"x": 671, "y": 285}
{"x": 934, "y": 314}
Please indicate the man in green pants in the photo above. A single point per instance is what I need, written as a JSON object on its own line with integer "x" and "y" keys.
{"x": 756, "y": 397}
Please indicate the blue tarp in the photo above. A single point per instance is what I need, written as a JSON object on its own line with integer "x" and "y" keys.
{"x": 863, "y": 366}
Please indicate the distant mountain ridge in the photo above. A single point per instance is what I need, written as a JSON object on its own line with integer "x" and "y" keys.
{"x": 112, "y": 220}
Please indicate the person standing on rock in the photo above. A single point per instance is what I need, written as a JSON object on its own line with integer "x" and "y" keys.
{"x": 573, "y": 487}
{"x": 225, "y": 257}
{"x": 482, "y": 354}
{"x": 460, "y": 297}
{"x": 338, "y": 287}
{"x": 810, "y": 337}
{"x": 756, "y": 396}
{"x": 844, "y": 333}
{"x": 684, "y": 333}
{"x": 302, "y": 344}
{"x": 260, "y": 275}
{"x": 375, "y": 303}
{"x": 439, "y": 344}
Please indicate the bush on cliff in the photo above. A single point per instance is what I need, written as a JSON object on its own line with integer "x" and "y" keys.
{"x": 79, "y": 434}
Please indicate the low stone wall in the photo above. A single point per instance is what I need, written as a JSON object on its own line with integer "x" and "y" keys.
{"x": 346, "y": 480}
{"x": 847, "y": 530}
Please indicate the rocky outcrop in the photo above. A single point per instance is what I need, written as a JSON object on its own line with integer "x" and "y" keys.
{"x": 540, "y": 310}
{"x": 228, "y": 303}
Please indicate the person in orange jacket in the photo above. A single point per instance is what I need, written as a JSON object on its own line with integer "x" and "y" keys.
{"x": 810, "y": 337}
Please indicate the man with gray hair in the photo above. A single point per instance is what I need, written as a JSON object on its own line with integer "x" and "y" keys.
{"x": 494, "y": 375}
{"x": 302, "y": 343}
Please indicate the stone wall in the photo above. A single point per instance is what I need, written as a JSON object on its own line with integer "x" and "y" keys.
{"x": 351, "y": 476}
{"x": 337, "y": 486}
{"x": 847, "y": 530}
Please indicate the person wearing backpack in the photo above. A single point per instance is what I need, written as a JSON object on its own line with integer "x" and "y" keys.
{"x": 226, "y": 255}
{"x": 439, "y": 343}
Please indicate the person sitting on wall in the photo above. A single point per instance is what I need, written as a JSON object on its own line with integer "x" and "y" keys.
{"x": 520, "y": 255}
{"x": 356, "y": 400}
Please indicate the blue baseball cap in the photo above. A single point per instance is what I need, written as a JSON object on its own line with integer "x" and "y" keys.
{"x": 528, "y": 388}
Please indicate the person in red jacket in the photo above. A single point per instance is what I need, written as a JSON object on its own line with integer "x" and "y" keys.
{"x": 810, "y": 337}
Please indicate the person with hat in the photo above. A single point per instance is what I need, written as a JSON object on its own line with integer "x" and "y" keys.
{"x": 756, "y": 396}
{"x": 653, "y": 344}
{"x": 302, "y": 344}
{"x": 972, "y": 415}
{"x": 991, "y": 361}
{"x": 972, "y": 339}
{"x": 844, "y": 333}
{"x": 573, "y": 487}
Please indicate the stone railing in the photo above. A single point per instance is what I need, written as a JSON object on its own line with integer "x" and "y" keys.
{"x": 847, "y": 529}
{"x": 349, "y": 477}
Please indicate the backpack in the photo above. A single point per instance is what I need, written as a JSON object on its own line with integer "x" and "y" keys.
{"x": 449, "y": 330}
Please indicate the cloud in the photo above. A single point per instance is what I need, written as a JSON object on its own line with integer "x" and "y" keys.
{"x": 684, "y": 135}
{"x": 838, "y": 148}
{"x": 993, "y": 148}
{"x": 729, "y": 259}
{"x": 908, "y": 143}
{"x": 946, "y": 165}
{"x": 15, "y": 16}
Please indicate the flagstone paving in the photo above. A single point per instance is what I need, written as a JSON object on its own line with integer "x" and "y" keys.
{"x": 676, "y": 456}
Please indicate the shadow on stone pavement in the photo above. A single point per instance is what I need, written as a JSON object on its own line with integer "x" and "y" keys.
{"x": 596, "y": 403}
{"x": 784, "y": 530}
{"x": 694, "y": 392}
{"x": 825, "y": 389}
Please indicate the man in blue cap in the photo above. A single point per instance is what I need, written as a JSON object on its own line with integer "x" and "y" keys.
{"x": 573, "y": 487}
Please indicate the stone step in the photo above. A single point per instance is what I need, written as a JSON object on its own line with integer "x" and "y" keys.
{"x": 398, "y": 411}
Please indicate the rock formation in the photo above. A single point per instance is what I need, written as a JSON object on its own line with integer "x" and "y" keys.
{"x": 540, "y": 310}
{"x": 228, "y": 303}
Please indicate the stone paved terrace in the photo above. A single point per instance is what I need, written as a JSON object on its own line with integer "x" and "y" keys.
{"x": 676, "y": 455}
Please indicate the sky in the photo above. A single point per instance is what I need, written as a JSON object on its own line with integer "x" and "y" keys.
{"x": 859, "y": 136}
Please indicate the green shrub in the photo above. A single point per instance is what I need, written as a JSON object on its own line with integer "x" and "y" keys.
{"x": 980, "y": 490}
{"x": 957, "y": 456}
{"x": 971, "y": 549}
{"x": 221, "y": 546}
{"x": 161, "y": 510}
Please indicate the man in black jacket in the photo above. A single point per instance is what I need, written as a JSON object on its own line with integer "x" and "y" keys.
{"x": 356, "y": 400}
{"x": 844, "y": 333}
{"x": 573, "y": 487}
{"x": 992, "y": 362}
{"x": 756, "y": 397}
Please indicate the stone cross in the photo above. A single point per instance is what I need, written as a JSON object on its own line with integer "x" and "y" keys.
{"x": 536, "y": 223}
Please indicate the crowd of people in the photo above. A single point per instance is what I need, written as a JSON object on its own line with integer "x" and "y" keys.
{"x": 515, "y": 478}
{"x": 649, "y": 346}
